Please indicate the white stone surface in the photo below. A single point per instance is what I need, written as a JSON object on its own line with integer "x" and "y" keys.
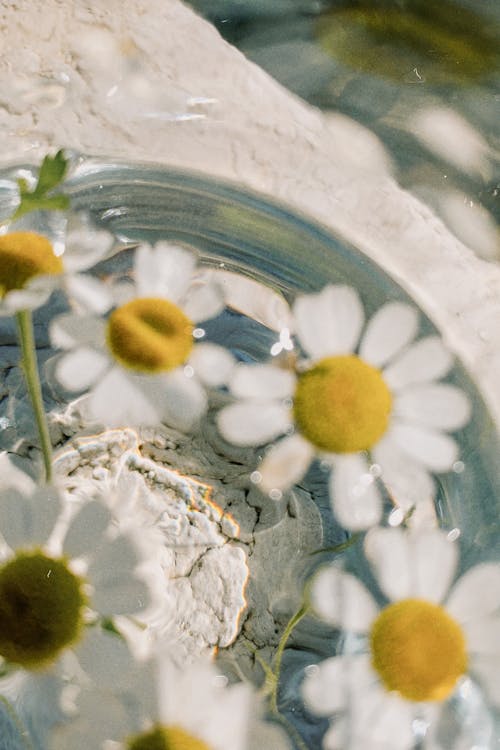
{"x": 158, "y": 84}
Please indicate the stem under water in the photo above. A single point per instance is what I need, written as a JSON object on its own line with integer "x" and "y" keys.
{"x": 32, "y": 377}
{"x": 290, "y": 626}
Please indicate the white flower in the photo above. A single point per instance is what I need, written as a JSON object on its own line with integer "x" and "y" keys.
{"x": 31, "y": 268}
{"x": 191, "y": 708}
{"x": 415, "y": 652}
{"x": 57, "y": 577}
{"x": 355, "y": 395}
{"x": 142, "y": 365}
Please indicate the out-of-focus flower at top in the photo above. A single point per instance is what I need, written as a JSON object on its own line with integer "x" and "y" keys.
{"x": 365, "y": 405}
{"x": 31, "y": 268}
{"x": 414, "y": 652}
{"x": 167, "y": 708}
{"x": 143, "y": 364}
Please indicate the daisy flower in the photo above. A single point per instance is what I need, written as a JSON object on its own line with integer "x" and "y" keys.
{"x": 365, "y": 404}
{"x": 31, "y": 267}
{"x": 415, "y": 652}
{"x": 165, "y": 707}
{"x": 57, "y": 577}
{"x": 143, "y": 364}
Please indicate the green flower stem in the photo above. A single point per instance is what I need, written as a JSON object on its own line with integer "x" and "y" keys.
{"x": 291, "y": 625}
{"x": 32, "y": 377}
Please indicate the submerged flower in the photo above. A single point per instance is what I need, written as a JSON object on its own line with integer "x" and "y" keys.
{"x": 166, "y": 708}
{"x": 143, "y": 364}
{"x": 31, "y": 269}
{"x": 414, "y": 652}
{"x": 365, "y": 404}
{"x": 52, "y": 588}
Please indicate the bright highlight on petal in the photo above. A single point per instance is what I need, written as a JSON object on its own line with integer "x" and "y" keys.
{"x": 418, "y": 650}
{"x": 24, "y": 255}
{"x": 342, "y": 404}
{"x": 149, "y": 335}
{"x": 41, "y": 606}
{"x": 166, "y": 738}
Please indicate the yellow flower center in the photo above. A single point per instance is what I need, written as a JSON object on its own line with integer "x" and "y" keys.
{"x": 41, "y": 609}
{"x": 150, "y": 335}
{"x": 24, "y": 255}
{"x": 342, "y": 404}
{"x": 418, "y": 650}
{"x": 166, "y": 738}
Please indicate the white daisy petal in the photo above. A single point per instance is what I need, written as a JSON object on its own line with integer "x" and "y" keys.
{"x": 436, "y": 405}
{"x": 253, "y": 422}
{"x": 383, "y": 719}
{"x": 89, "y": 292}
{"x": 435, "y": 560}
{"x": 476, "y": 594}
{"x": 435, "y": 450}
{"x": 355, "y": 498}
{"x": 262, "y": 381}
{"x": 336, "y": 735}
{"x": 389, "y": 553}
{"x": 329, "y": 322}
{"x": 85, "y": 247}
{"x": 113, "y": 561}
{"x": 116, "y": 401}
{"x": 121, "y": 597}
{"x": 428, "y": 359}
{"x": 81, "y": 368}
{"x": 68, "y": 331}
{"x": 341, "y": 599}
{"x": 203, "y": 301}
{"x": 86, "y": 530}
{"x": 408, "y": 482}
{"x": 35, "y": 294}
{"x": 163, "y": 271}
{"x": 285, "y": 463}
{"x": 487, "y": 669}
{"x": 28, "y": 520}
{"x": 45, "y": 510}
{"x": 105, "y": 658}
{"x": 183, "y": 399}
{"x": 390, "y": 329}
{"x": 483, "y": 635}
{"x": 212, "y": 364}
{"x": 324, "y": 688}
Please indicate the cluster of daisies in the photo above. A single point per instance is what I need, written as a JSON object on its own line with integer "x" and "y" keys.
{"x": 364, "y": 398}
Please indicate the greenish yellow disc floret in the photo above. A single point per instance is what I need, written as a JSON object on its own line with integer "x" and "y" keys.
{"x": 418, "y": 650}
{"x": 150, "y": 335}
{"x": 24, "y": 255}
{"x": 342, "y": 404}
{"x": 41, "y": 609}
{"x": 166, "y": 738}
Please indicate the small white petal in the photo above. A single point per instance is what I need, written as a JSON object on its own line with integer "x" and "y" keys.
{"x": 428, "y": 359}
{"x": 183, "y": 401}
{"x": 35, "y": 294}
{"x": 408, "y": 482}
{"x": 116, "y": 401}
{"x": 203, "y": 301}
{"x": 329, "y": 322}
{"x": 285, "y": 463}
{"x": 435, "y": 450}
{"x": 86, "y": 530}
{"x": 354, "y": 496}
{"x": 121, "y": 597}
{"x": 254, "y": 299}
{"x": 487, "y": 669}
{"x": 163, "y": 271}
{"x": 212, "y": 364}
{"x": 85, "y": 247}
{"x": 341, "y": 599}
{"x": 104, "y": 657}
{"x": 68, "y": 331}
{"x": 46, "y": 508}
{"x": 336, "y": 735}
{"x": 391, "y": 328}
{"x": 325, "y": 690}
{"x": 389, "y": 553}
{"x": 81, "y": 368}
{"x": 28, "y": 520}
{"x": 88, "y": 292}
{"x": 438, "y": 405}
{"x": 262, "y": 381}
{"x": 476, "y": 594}
{"x": 112, "y": 562}
{"x": 483, "y": 635}
{"x": 382, "y": 720}
{"x": 253, "y": 422}
{"x": 435, "y": 560}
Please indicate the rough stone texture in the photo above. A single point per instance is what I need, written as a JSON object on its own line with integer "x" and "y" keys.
{"x": 148, "y": 80}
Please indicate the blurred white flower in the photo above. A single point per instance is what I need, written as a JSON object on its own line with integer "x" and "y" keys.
{"x": 416, "y": 651}
{"x": 376, "y": 393}
{"x": 142, "y": 364}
